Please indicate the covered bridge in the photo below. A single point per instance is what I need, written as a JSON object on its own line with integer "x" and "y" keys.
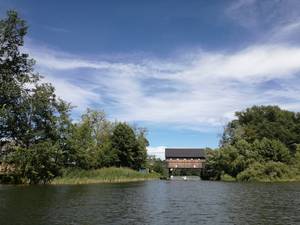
{"x": 185, "y": 158}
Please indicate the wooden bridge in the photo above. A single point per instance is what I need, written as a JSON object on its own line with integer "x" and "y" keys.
{"x": 185, "y": 158}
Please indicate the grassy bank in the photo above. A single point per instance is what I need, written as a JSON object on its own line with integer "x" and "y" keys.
{"x": 261, "y": 180}
{"x": 104, "y": 175}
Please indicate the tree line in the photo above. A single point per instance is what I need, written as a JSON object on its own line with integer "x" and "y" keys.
{"x": 37, "y": 136}
{"x": 261, "y": 144}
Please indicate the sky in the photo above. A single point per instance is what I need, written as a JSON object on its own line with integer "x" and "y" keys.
{"x": 178, "y": 68}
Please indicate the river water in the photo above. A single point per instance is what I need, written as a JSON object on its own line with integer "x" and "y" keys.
{"x": 151, "y": 202}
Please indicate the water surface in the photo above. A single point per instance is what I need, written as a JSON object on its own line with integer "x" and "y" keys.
{"x": 151, "y": 202}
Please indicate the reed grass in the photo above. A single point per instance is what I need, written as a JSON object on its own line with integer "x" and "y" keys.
{"x": 104, "y": 175}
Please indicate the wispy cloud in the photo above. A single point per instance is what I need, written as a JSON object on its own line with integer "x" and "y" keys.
{"x": 263, "y": 15}
{"x": 79, "y": 96}
{"x": 196, "y": 90}
{"x": 204, "y": 91}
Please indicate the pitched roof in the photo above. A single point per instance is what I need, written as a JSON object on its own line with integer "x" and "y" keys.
{"x": 185, "y": 153}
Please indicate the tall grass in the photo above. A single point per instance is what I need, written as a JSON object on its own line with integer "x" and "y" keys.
{"x": 104, "y": 175}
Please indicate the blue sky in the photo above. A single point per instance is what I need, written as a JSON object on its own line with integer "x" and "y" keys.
{"x": 179, "y": 68}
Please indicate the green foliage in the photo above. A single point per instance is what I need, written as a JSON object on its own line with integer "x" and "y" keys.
{"x": 260, "y": 122}
{"x": 38, "y": 164}
{"x": 30, "y": 111}
{"x": 233, "y": 160}
{"x": 129, "y": 146}
{"x": 124, "y": 143}
{"x": 15, "y": 73}
{"x": 107, "y": 156}
{"x": 90, "y": 144}
{"x": 296, "y": 160}
{"x": 140, "y": 155}
{"x": 157, "y": 165}
{"x": 227, "y": 178}
{"x": 213, "y": 168}
{"x": 31, "y": 116}
{"x": 272, "y": 150}
{"x": 261, "y": 144}
{"x": 230, "y": 160}
{"x": 95, "y": 142}
{"x": 269, "y": 171}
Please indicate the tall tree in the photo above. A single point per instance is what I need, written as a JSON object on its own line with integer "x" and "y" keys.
{"x": 16, "y": 76}
{"x": 31, "y": 116}
{"x": 30, "y": 110}
{"x": 140, "y": 155}
{"x": 260, "y": 122}
{"x": 129, "y": 146}
{"x": 90, "y": 145}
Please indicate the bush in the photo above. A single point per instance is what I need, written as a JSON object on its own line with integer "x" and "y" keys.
{"x": 270, "y": 171}
{"x": 38, "y": 164}
{"x": 226, "y": 177}
{"x": 272, "y": 150}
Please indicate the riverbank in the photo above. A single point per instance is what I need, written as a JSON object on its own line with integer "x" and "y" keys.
{"x": 263, "y": 179}
{"x": 104, "y": 175}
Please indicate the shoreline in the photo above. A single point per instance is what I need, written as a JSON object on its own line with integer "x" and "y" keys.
{"x": 98, "y": 181}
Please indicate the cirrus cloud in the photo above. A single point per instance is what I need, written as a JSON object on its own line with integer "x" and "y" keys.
{"x": 204, "y": 91}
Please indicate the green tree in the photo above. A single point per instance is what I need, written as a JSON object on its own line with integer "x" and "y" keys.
{"x": 270, "y": 171}
{"x": 125, "y": 145}
{"x": 262, "y": 143}
{"x": 108, "y": 155}
{"x": 30, "y": 113}
{"x": 129, "y": 146}
{"x": 239, "y": 157}
{"x": 38, "y": 164}
{"x": 90, "y": 141}
{"x": 16, "y": 75}
{"x": 140, "y": 155}
{"x": 271, "y": 150}
{"x": 157, "y": 165}
{"x": 260, "y": 122}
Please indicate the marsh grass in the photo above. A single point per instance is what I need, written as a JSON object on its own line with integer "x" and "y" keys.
{"x": 104, "y": 175}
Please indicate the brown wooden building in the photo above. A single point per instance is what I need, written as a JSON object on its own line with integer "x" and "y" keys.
{"x": 185, "y": 158}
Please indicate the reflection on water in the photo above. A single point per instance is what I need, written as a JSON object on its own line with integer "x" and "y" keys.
{"x": 152, "y": 202}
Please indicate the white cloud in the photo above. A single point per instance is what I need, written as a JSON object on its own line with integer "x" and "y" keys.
{"x": 204, "y": 92}
{"x": 261, "y": 62}
{"x": 260, "y": 16}
{"x": 58, "y": 60}
{"x": 79, "y": 97}
{"x": 200, "y": 91}
{"x": 158, "y": 152}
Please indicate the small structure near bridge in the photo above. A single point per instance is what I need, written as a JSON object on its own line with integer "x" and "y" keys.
{"x": 185, "y": 159}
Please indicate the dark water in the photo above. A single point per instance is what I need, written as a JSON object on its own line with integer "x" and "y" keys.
{"x": 152, "y": 202}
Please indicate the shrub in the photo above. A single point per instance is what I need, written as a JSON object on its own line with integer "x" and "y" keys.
{"x": 270, "y": 171}
{"x": 38, "y": 164}
{"x": 227, "y": 177}
{"x": 272, "y": 150}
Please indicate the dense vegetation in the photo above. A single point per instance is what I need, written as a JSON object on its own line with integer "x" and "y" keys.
{"x": 157, "y": 165}
{"x": 262, "y": 144}
{"x": 37, "y": 137}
